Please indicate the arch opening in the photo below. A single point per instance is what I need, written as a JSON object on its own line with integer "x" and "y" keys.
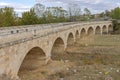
{"x": 104, "y": 29}
{"x": 77, "y": 35}
{"x": 70, "y": 40}
{"x": 57, "y": 49}
{"x": 110, "y": 29}
{"x": 34, "y": 59}
{"x": 83, "y": 33}
{"x": 90, "y": 31}
{"x": 98, "y": 30}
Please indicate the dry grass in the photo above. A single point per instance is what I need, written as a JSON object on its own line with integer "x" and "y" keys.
{"x": 90, "y": 58}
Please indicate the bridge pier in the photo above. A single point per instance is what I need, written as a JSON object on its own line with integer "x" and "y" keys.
{"x": 48, "y": 59}
{"x": 8, "y": 77}
{"x": 65, "y": 47}
{"x": 107, "y": 31}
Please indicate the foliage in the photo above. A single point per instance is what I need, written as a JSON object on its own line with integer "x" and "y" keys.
{"x": 55, "y": 14}
{"x": 116, "y": 26}
{"x": 115, "y": 14}
{"x": 7, "y": 17}
{"x": 102, "y": 14}
{"x": 29, "y": 17}
{"x": 40, "y": 14}
{"x": 107, "y": 13}
{"x": 74, "y": 12}
{"x": 87, "y": 13}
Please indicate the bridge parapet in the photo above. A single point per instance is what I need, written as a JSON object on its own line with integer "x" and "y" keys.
{"x": 27, "y": 28}
{"x": 14, "y": 35}
{"x": 19, "y": 29}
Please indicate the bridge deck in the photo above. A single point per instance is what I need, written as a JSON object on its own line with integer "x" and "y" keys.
{"x": 31, "y": 31}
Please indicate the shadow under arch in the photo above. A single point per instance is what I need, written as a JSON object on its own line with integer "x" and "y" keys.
{"x": 110, "y": 29}
{"x": 70, "y": 39}
{"x": 104, "y": 29}
{"x": 77, "y": 34}
{"x": 82, "y": 33}
{"x": 90, "y": 31}
{"x": 57, "y": 49}
{"x": 98, "y": 30}
{"x": 32, "y": 61}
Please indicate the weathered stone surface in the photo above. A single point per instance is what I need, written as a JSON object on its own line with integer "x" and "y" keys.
{"x": 5, "y": 77}
{"x": 16, "y": 42}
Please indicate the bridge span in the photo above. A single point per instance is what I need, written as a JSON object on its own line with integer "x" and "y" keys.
{"x": 18, "y": 44}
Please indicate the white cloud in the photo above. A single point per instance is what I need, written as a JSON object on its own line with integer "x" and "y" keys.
{"x": 90, "y": 1}
{"x": 118, "y": 4}
{"x": 17, "y": 7}
{"x": 3, "y": 4}
{"x": 95, "y": 6}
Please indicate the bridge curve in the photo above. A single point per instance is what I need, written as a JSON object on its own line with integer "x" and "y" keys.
{"x": 17, "y": 42}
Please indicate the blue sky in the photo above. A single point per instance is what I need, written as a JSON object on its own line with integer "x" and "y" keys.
{"x": 95, "y": 6}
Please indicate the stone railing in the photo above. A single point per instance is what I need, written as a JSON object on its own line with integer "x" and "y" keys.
{"x": 32, "y": 37}
{"x": 14, "y": 35}
{"x": 28, "y": 28}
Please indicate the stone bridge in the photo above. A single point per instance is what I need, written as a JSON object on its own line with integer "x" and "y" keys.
{"x": 18, "y": 44}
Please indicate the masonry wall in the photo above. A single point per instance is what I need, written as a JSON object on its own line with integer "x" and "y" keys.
{"x": 15, "y": 43}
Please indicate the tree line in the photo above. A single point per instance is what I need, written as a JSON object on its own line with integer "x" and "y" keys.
{"x": 115, "y": 14}
{"x": 8, "y": 16}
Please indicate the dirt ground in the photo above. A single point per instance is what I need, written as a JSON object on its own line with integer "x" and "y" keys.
{"x": 90, "y": 58}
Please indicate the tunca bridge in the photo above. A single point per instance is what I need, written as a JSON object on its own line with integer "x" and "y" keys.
{"x": 17, "y": 44}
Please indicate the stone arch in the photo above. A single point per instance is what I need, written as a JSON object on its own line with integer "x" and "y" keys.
{"x": 77, "y": 34}
{"x": 82, "y": 33}
{"x": 110, "y": 28}
{"x": 98, "y": 30}
{"x": 90, "y": 31}
{"x": 104, "y": 29}
{"x": 57, "y": 49}
{"x": 36, "y": 57}
{"x": 70, "y": 39}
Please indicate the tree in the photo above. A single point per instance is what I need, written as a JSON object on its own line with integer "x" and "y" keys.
{"x": 74, "y": 12}
{"x": 59, "y": 14}
{"x": 107, "y": 13}
{"x": 115, "y": 14}
{"x": 87, "y": 13}
{"x": 29, "y": 17}
{"x": 54, "y": 14}
{"x": 39, "y": 9}
{"x": 102, "y": 15}
{"x": 7, "y": 17}
{"x": 63, "y": 15}
{"x": 48, "y": 15}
